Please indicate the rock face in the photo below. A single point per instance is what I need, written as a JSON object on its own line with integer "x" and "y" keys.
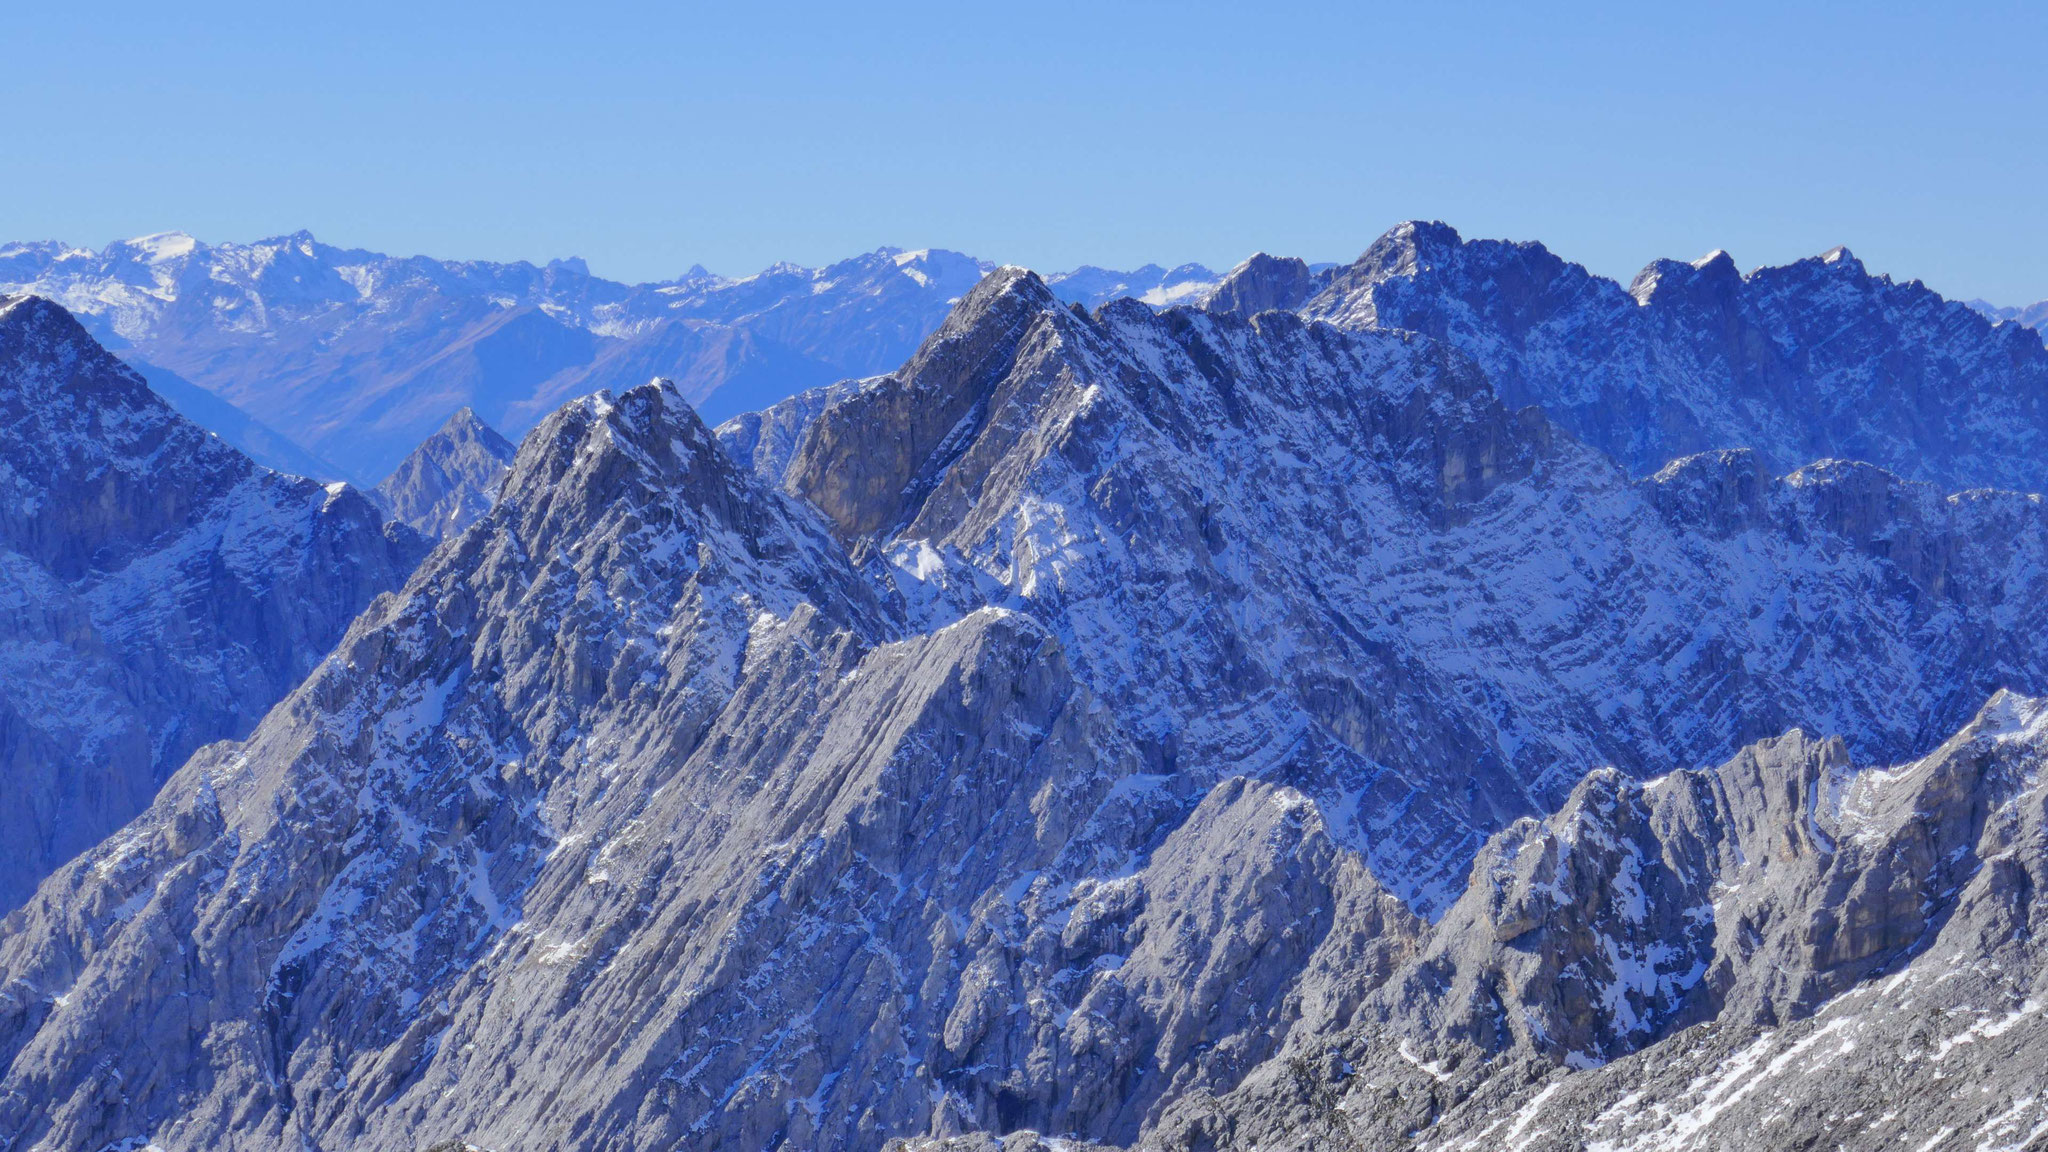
{"x": 450, "y": 480}
{"x": 1266, "y": 283}
{"x": 1786, "y": 951}
{"x": 1109, "y": 725}
{"x": 161, "y": 590}
{"x": 1813, "y": 360}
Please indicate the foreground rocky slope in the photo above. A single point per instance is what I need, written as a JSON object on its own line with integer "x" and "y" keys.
{"x": 450, "y": 480}
{"x": 161, "y": 591}
{"x": 1786, "y": 951}
{"x": 1072, "y": 731}
{"x": 1855, "y": 945}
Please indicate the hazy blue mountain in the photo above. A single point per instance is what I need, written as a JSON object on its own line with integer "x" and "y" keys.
{"x": 2033, "y": 315}
{"x": 362, "y": 355}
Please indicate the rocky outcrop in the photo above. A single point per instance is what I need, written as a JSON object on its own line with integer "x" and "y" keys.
{"x": 1781, "y": 950}
{"x": 450, "y": 480}
{"x": 1813, "y": 360}
{"x": 161, "y": 590}
{"x": 1265, "y": 283}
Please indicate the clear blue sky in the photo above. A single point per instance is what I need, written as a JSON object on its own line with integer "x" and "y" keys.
{"x": 647, "y": 137}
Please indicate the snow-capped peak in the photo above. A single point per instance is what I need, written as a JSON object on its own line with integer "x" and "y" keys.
{"x": 160, "y": 247}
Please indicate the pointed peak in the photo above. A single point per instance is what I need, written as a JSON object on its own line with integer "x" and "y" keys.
{"x": 1266, "y": 261}
{"x": 1840, "y": 257}
{"x": 651, "y": 425}
{"x": 26, "y": 307}
{"x": 1408, "y": 247}
{"x": 1262, "y": 283}
{"x": 465, "y": 424}
{"x": 28, "y": 316}
{"x": 1009, "y": 286}
{"x": 1661, "y": 279}
{"x": 1431, "y": 232}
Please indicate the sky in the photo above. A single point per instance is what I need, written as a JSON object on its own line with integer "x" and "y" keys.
{"x": 649, "y": 137}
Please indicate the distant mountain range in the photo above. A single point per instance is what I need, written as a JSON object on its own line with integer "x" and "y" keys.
{"x": 2033, "y": 315}
{"x": 362, "y": 355}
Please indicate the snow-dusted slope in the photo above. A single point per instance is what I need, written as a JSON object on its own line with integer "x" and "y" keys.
{"x": 1282, "y": 550}
{"x": 450, "y": 480}
{"x": 160, "y": 591}
{"x": 1812, "y": 360}
{"x": 1100, "y": 716}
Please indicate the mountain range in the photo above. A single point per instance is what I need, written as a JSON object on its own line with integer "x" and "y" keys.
{"x": 362, "y": 355}
{"x": 1447, "y": 700}
{"x": 2033, "y": 315}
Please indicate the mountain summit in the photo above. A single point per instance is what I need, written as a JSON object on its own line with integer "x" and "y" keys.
{"x": 451, "y": 479}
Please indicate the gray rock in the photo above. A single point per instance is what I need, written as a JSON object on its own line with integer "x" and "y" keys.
{"x": 450, "y": 480}
{"x": 1806, "y": 953}
{"x": 1265, "y": 283}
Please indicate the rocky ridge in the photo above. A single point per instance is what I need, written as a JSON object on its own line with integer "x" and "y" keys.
{"x": 1787, "y": 950}
{"x": 1828, "y": 953}
{"x": 1812, "y": 360}
{"x": 1066, "y": 732}
{"x": 162, "y": 591}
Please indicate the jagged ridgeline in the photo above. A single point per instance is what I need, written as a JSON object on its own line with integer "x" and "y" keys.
{"x": 1157, "y": 729}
